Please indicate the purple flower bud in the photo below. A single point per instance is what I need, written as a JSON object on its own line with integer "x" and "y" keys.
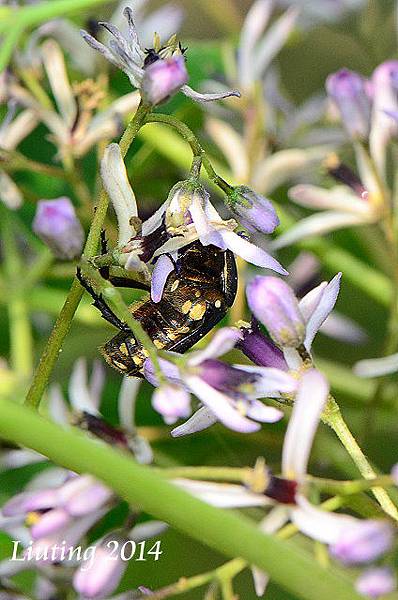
{"x": 49, "y": 523}
{"x": 57, "y": 225}
{"x": 348, "y": 91}
{"x": 376, "y": 582}
{"x": 100, "y": 575}
{"x": 163, "y": 79}
{"x": 254, "y": 211}
{"x": 260, "y": 349}
{"x": 29, "y": 502}
{"x": 172, "y": 402}
{"x": 363, "y": 542}
{"x": 273, "y": 303}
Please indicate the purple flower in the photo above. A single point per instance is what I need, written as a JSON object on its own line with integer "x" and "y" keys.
{"x": 363, "y": 542}
{"x": 156, "y": 84}
{"x": 100, "y": 576}
{"x": 228, "y": 393}
{"x": 163, "y": 79}
{"x": 254, "y": 211}
{"x": 376, "y": 582}
{"x": 57, "y": 225}
{"x": 291, "y": 322}
{"x": 273, "y": 302}
{"x": 172, "y": 402}
{"x": 385, "y": 102}
{"x": 348, "y": 91}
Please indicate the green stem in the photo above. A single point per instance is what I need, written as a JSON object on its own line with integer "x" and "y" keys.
{"x": 63, "y": 322}
{"x": 12, "y": 160}
{"x": 332, "y": 417}
{"x": 18, "y": 314}
{"x": 227, "y": 532}
{"x": 348, "y": 488}
{"x": 237, "y": 474}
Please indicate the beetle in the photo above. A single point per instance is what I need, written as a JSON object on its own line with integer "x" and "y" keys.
{"x": 197, "y": 295}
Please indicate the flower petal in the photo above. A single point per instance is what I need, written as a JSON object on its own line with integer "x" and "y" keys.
{"x": 340, "y": 198}
{"x": 220, "y": 405}
{"x": 273, "y": 41}
{"x": 254, "y": 24}
{"x": 116, "y": 183}
{"x": 308, "y": 406}
{"x": 224, "y": 340}
{"x": 126, "y": 402}
{"x": 190, "y": 93}
{"x": 344, "y": 329}
{"x": 231, "y": 144}
{"x": 325, "y": 306}
{"x": 377, "y": 367}
{"x": 225, "y": 495}
{"x": 200, "y": 420}
{"x": 271, "y": 379}
{"x": 54, "y": 64}
{"x": 317, "y": 523}
{"x": 79, "y": 392}
{"x": 163, "y": 267}
{"x": 251, "y": 253}
{"x": 263, "y": 413}
{"x": 316, "y": 225}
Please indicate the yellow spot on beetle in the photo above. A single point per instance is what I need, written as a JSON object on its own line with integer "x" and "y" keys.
{"x": 175, "y": 285}
{"x": 137, "y": 360}
{"x": 198, "y": 294}
{"x": 123, "y": 349}
{"x": 158, "y": 344}
{"x": 197, "y": 312}
{"x": 119, "y": 365}
{"x": 186, "y": 307}
{"x": 217, "y": 303}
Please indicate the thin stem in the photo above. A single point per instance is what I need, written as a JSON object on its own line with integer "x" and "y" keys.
{"x": 227, "y": 532}
{"x": 350, "y": 487}
{"x": 237, "y": 474}
{"x": 332, "y": 417}
{"x": 113, "y": 296}
{"x": 12, "y": 160}
{"x": 20, "y": 329}
{"x": 63, "y": 323}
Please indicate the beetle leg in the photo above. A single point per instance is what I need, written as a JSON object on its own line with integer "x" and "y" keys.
{"x": 125, "y": 282}
{"x": 99, "y": 303}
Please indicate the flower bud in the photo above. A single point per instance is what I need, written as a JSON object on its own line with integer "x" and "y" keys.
{"x": 57, "y": 225}
{"x": 172, "y": 402}
{"x": 273, "y": 303}
{"x": 183, "y": 196}
{"x": 348, "y": 91}
{"x": 260, "y": 349}
{"x": 376, "y": 582}
{"x": 363, "y": 542}
{"x": 100, "y": 574}
{"x": 254, "y": 211}
{"x": 163, "y": 79}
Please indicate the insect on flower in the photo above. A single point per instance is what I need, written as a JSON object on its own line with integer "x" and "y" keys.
{"x": 196, "y": 296}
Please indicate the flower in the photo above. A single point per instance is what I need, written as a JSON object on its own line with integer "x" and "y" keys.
{"x": 159, "y": 73}
{"x": 186, "y": 215}
{"x": 347, "y": 90}
{"x": 362, "y": 542}
{"x": 254, "y": 212}
{"x": 377, "y": 367}
{"x": 272, "y": 301}
{"x": 384, "y": 84}
{"x": 376, "y": 582}
{"x": 73, "y": 125}
{"x": 13, "y": 130}
{"x": 291, "y": 323}
{"x": 228, "y": 393}
{"x": 56, "y": 223}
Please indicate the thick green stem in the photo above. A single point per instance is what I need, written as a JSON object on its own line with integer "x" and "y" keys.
{"x": 332, "y": 417}
{"x": 227, "y": 532}
{"x": 63, "y": 322}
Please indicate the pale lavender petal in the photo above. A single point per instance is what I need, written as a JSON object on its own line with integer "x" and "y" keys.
{"x": 325, "y": 306}
{"x": 57, "y": 407}
{"x": 79, "y": 392}
{"x": 251, "y": 253}
{"x": 394, "y": 473}
{"x": 363, "y": 542}
{"x": 56, "y": 223}
{"x": 169, "y": 369}
{"x": 96, "y": 383}
{"x": 220, "y": 405}
{"x": 155, "y": 221}
{"x": 377, "y": 367}
{"x": 126, "y": 402}
{"x": 376, "y": 582}
{"x": 49, "y": 523}
{"x": 172, "y": 402}
{"x": 317, "y": 225}
{"x": 308, "y": 406}
{"x": 310, "y": 301}
{"x": 188, "y": 91}
{"x": 200, "y": 420}
{"x": 254, "y": 24}
{"x": 30, "y": 501}
{"x": 343, "y": 328}
{"x": 224, "y": 340}
{"x": 147, "y": 530}
{"x": 271, "y": 379}
{"x": 163, "y": 267}
{"x": 99, "y": 578}
{"x": 319, "y": 524}
{"x": 273, "y": 41}
{"x": 162, "y": 79}
{"x": 263, "y": 413}
{"x": 226, "y": 495}
{"x": 14, "y": 459}
{"x": 89, "y": 499}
